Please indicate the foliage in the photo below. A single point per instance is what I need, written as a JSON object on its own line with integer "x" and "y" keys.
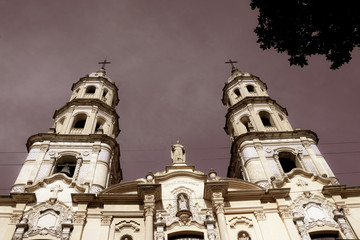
{"x": 302, "y": 28}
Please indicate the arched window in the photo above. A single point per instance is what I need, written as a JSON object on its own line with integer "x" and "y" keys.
{"x": 79, "y": 123}
{"x": 90, "y": 90}
{"x": 243, "y": 236}
{"x": 246, "y": 122}
{"x": 237, "y": 92}
{"x": 66, "y": 165}
{"x": 250, "y": 88}
{"x": 99, "y": 125}
{"x": 287, "y": 161}
{"x": 105, "y": 92}
{"x": 266, "y": 119}
{"x": 126, "y": 237}
{"x": 325, "y": 236}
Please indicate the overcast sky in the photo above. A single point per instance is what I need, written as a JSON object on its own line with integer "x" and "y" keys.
{"x": 167, "y": 59}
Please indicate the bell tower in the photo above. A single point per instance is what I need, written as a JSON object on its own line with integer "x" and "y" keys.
{"x": 265, "y": 148}
{"x": 80, "y": 149}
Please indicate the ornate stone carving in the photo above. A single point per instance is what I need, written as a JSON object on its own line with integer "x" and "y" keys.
{"x": 340, "y": 219}
{"x": 79, "y": 218}
{"x": 135, "y": 226}
{"x": 219, "y": 207}
{"x": 21, "y": 227}
{"x": 210, "y": 226}
{"x": 311, "y": 212}
{"x": 194, "y": 208}
{"x": 15, "y": 218}
{"x": 106, "y": 220}
{"x": 260, "y": 215}
{"x": 48, "y": 218}
{"x": 159, "y": 227}
{"x": 285, "y": 212}
{"x": 301, "y": 182}
{"x": 242, "y": 220}
{"x": 149, "y": 211}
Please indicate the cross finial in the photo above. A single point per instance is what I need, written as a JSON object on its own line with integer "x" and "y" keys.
{"x": 104, "y": 62}
{"x": 231, "y": 62}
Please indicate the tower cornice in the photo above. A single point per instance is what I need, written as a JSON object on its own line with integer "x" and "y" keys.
{"x": 53, "y": 137}
{"x": 87, "y": 102}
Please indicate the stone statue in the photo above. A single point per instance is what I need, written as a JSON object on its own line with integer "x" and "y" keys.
{"x": 182, "y": 203}
{"x": 177, "y": 153}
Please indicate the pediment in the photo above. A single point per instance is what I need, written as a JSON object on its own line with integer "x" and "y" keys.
{"x": 296, "y": 172}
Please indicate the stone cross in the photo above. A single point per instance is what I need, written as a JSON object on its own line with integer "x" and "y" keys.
{"x": 55, "y": 190}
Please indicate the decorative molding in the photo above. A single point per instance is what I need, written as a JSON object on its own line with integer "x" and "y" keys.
{"x": 260, "y": 215}
{"x": 47, "y": 218}
{"x": 106, "y": 220}
{"x": 134, "y": 226}
{"x": 240, "y": 220}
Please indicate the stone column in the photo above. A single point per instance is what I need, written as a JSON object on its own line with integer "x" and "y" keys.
{"x": 218, "y": 205}
{"x": 261, "y": 219}
{"x": 210, "y": 226}
{"x": 79, "y": 222}
{"x": 66, "y": 227}
{"x": 313, "y": 157}
{"x": 105, "y": 226}
{"x": 149, "y": 207}
{"x": 77, "y": 168}
{"x": 286, "y": 216}
{"x": 299, "y": 221}
{"x": 264, "y": 163}
{"x": 21, "y": 227}
{"x": 345, "y": 228}
{"x": 68, "y": 121}
{"x": 160, "y": 227}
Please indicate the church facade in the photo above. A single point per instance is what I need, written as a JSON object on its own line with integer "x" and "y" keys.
{"x": 279, "y": 185}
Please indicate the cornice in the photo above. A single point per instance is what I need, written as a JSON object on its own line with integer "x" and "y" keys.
{"x": 53, "y": 178}
{"x": 124, "y": 187}
{"x": 341, "y": 190}
{"x": 54, "y": 137}
{"x": 83, "y": 197}
{"x": 23, "y": 197}
{"x": 149, "y": 189}
{"x": 300, "y": 172}
{"x": 167, "y": 175}
{"x": 214, "y": 187}
{"x": 87, "y": 102}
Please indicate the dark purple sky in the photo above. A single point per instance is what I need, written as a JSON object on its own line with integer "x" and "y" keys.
{"x": 168, "y": 63}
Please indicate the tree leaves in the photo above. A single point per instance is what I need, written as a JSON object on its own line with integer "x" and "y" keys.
{"x": 303, "y": 28}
